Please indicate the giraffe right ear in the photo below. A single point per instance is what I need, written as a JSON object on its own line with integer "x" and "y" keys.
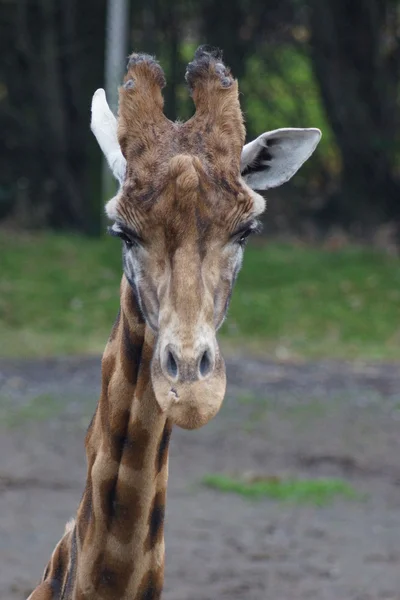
{"x": 275, "y": 156}
{"x": 104, "y": 126}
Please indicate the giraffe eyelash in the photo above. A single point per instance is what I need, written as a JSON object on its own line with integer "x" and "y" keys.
{"x": 241, "y": 235}
{"x": 127, "y": 236}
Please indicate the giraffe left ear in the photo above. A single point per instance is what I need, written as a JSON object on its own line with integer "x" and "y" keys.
{"x": 275, "y": 156}
{"x": 104, "y": 126}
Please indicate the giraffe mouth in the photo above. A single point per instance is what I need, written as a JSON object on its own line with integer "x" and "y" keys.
{"x": 173, "y": 394}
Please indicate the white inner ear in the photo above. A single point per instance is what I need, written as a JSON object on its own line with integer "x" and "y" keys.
{"x": 104, "y": 126}
{"x": 275, "y": 156}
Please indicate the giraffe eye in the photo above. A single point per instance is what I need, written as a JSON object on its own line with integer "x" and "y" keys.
{"x": 128, "y": 238}
{"x": 243, "y": 237}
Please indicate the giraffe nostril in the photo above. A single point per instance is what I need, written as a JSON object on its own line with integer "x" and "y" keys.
{"x": 172, "y": 365}
{"x": 205, "y": 364}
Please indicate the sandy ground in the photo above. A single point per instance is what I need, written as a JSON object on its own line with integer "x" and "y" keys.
{"x": 321, "y": 419}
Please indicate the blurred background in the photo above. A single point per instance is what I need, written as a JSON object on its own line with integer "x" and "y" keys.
{"x": 326, "y": 267}
{"x": 292, "y": 491}
{"x": 331, "y": 64}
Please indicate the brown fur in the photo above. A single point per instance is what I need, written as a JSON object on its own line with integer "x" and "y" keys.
{"x": 183, "y": 196}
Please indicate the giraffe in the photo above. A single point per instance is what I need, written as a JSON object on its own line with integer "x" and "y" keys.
{"x": 184, "y": 210}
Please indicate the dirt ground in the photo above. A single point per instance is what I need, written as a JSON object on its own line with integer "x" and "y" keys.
{"x": 320, "y": 419}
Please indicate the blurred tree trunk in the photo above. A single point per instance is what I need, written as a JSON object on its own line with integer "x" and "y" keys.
{"x": 52, "y": 68}
{"x": 356, "y": 57}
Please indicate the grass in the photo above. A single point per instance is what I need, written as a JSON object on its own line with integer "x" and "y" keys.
{"x": 45, "y": 407}
{"x": 306, "y": 302}
{"x": 317, "y": 492}
{"x": 40, "y": 408}
{"x": 59, "y": 295}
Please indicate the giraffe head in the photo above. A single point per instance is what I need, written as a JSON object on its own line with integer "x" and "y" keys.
{"x": 185, "y": 208}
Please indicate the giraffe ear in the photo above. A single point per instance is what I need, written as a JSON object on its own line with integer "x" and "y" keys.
{"x": 275, "y": 156}
{"x": 104, "y": 126}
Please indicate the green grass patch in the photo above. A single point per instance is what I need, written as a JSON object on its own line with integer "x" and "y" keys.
{"x": 40, "y": 408}
{"x": 59, "y": 294}
{"x": 317, "y": 492}
{"x": 295, "y": 302}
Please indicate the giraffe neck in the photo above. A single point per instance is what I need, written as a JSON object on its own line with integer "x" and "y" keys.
{"x": 116, "y": 548}
{"x": 120, "y": 519}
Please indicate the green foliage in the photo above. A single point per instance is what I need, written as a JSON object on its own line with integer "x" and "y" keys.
{"x": 280, "y": 90}
{"x": 317, "y": 492}
{"x": 60, "y": 294}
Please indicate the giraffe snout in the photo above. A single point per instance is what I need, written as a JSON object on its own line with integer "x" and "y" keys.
{"x": 188, "y": 375}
